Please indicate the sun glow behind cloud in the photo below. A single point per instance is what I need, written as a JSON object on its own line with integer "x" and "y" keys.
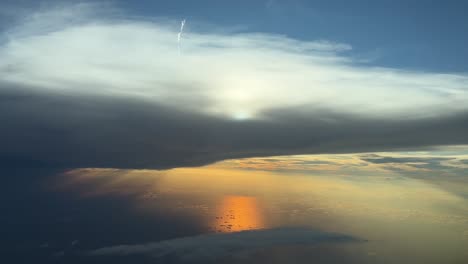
{"x": 233, "y": 75}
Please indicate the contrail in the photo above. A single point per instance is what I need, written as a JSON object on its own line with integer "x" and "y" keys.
{"x": 182, "y": 24}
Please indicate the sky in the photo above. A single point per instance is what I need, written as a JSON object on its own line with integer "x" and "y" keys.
{"x": 101, "y": 99}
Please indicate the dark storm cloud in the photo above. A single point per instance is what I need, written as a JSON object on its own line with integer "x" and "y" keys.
{"x": 72, "y": 130}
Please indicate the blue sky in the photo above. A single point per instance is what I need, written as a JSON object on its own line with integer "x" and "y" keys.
{"x": 423, "y": 35}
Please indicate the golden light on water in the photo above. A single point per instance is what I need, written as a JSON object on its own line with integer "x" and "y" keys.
{"x": 237, "y": 213}
{"x": 237, "y": 195}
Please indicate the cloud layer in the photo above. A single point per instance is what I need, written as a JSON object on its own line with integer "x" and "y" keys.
{"x": 214, "y": 246}
{"x": 80, "y": 87}
{"x": 80, "y": 131}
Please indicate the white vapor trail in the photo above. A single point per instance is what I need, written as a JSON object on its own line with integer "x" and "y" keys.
{"x": 182, "y": 24}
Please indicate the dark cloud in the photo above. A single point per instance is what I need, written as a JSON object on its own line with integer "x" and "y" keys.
{"x": 53, "y": 129}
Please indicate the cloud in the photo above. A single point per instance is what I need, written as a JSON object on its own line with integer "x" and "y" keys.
{"x": 214, "y": 246}
{"x": 413, "y": 160}
{"x": 423, "y": 165}
{"x": 82, "y": 87}
{"x": 49, "y": 129}
{"x": 79, "y": 50}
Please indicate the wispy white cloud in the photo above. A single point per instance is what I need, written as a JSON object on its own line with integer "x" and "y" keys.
{"x": 81, "y": 49}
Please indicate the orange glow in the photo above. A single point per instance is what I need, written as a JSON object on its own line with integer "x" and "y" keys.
{"x": 237, "y": 213}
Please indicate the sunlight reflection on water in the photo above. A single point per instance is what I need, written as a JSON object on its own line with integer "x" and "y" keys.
{"x": 237, "y": 213}
{"x": 401, "y": 218}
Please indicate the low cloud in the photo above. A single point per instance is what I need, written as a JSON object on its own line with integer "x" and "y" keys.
{"x": 411, "y": 164}
{"x": 412, "y": 160}
{"x": 213, "y": 246}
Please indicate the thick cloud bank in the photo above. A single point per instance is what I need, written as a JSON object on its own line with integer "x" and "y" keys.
{"x": 42, "y": 130}
{"x": 84, "y": 88}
